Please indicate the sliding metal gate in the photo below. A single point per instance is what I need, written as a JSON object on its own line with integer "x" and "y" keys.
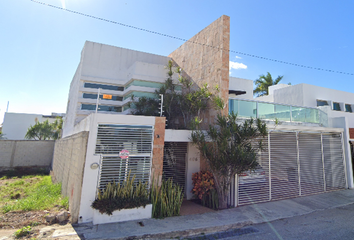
{"x": 294, "y": 164}
{"x": 111, "y": 140}
{"x": 174, "y": 162}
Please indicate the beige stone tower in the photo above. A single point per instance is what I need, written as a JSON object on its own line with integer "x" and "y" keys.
{"x": 205, "y": 59}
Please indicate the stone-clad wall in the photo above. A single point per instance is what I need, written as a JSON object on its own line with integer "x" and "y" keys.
{"x": 25, "y": 153}
{"x": 351, "y": 133}
{"x": 157, "y": 154}
{"x": 68, "y": 167}
{"x": 205, "y": 64}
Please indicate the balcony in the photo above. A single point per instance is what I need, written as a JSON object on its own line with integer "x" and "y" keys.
{"x": 281, "y": 112}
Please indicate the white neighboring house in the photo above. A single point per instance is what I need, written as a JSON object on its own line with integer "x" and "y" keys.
{"x": 337, "y": 104}
{"x": 15, "y": 125}
{"x": 240, "y": 88}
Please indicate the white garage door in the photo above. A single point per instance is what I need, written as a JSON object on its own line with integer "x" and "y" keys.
{"x": 294, "y": 164}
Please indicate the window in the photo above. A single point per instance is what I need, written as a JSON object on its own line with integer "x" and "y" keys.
{"x": 348, "y": 108}
{"x": 150, "y": 84}
{"x": 94, "y": 96}
{"x": 103, "y": 86}
{"x": 336, "y": 106}
{"x": 140, "y": 94}
{"x": 322, "y": 103}
{"x": 101, "y": 108}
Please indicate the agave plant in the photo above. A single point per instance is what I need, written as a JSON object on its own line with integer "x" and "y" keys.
{"x": 166, "y": 200}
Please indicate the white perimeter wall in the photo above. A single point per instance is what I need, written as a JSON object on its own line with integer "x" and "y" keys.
{"x": 90, "y": 179}
{"x": 342, "y": 122}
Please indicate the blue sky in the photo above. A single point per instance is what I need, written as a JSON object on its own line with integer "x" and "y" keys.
{"x": 40, "y": 46}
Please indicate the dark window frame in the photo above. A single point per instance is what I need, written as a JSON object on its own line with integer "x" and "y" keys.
{"x": 101, "y": 108}
{"x": 94, "y": 96}
{"x": 348, "y": 108}
{"x": 336, "y": 106}
{"x": 103, "y": 86}
{"x": 321, "y": 103}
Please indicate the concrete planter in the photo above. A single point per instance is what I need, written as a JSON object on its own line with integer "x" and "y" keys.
{"x": 122, "y": 215}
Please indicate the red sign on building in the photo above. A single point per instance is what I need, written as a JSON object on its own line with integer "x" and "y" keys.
{"x": 124, "y": 154}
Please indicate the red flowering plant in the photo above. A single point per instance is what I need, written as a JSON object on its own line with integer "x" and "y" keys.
{"x": 204, "y": 189}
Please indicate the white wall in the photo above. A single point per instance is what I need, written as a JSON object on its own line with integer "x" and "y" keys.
{"x": 307, "y": 95}
{"x": 15, "y": 125}
{"x": 193, "y": 166}
{"x": 72, "y": 103}
{"x": 342, "y": 122}
{"x": 172, "y": 135}
{"x": 275, "y": 87}
{"x": 241, "y": 84}
{"x": 292, "y": 95}
{"x": 266, "y": 98}
{"x": 105, "y": 61}
{"x": 90, "y": 180}
{"x": 312, "y": 93}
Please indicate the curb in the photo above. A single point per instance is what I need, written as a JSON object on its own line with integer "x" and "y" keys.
{"x": 183, "y": 233}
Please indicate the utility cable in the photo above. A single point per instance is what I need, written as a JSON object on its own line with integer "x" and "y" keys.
{"x": 186, "y": 40}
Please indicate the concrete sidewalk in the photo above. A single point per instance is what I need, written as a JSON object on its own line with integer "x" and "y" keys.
{"x": 183, "y": 226}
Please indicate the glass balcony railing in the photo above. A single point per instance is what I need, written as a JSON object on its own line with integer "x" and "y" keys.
{"x": 272, "y": 111}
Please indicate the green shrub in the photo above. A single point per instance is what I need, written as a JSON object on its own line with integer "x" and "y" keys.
{"x": 23, "y": 232}
{"x": 166, "y": 200}
{"x": 121, "y": 196}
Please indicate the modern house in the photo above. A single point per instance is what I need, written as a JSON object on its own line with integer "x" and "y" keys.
{"x": 304, "y": 153}
{"x": 117, "y": 74}
{"x": 15, "y": 125}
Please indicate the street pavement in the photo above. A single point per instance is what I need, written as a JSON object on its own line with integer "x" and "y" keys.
{"x": 335, "y": 223}
{"x": 245, "y": 218}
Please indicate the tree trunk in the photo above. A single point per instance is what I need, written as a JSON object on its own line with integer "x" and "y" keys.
{"x": 223, "y": 189}
{"x": 222, "y": 200}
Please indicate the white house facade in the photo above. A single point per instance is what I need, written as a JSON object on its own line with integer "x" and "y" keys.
{"x": 15, "y": 125}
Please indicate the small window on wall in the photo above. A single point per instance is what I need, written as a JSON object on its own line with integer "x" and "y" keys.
{"x": 322, "y": 103}
{"x": 336, "y": 106}
{"x": 101, "y": 108}
{"x": 348, "y": 108}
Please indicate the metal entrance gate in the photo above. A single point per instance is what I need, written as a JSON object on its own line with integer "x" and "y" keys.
{"x": 111, "y": 140}
{"x": 294, "y": 164}
{"x": 174, "y": 162}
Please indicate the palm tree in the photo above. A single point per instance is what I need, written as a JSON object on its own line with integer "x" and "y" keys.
{"x": 263, "y": 82}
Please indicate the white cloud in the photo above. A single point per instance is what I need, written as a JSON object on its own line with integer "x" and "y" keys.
{"x": 236, "y": 65}
{"x": 237, "y": 57}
